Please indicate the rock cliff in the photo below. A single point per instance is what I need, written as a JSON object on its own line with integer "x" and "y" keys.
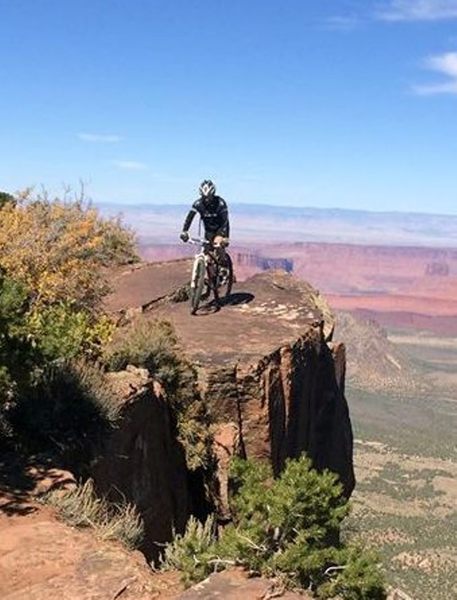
{"x": 142, "y": 461}
{"x": 267, "y": 369}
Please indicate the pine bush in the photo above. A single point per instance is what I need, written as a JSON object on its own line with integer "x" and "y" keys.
{"x": 192, "y": 553}
{"x": 287, "y": 528}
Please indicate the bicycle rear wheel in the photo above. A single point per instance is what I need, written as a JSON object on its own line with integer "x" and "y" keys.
{"x": 225, "y": 277}
{"x": 197, "y": 285}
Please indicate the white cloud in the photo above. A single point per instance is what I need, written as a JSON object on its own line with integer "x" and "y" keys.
{"x": 342, "y": 23}
{"x": 418, "y": 10}
{"x": 99, "y": 138}
{"x": 130, "y": 165}
{"x": 445, "y": 64}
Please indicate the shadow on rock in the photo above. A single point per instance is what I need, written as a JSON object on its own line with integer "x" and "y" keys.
{"x": 232, "y": 300}
{"x": 23, "y": 480}
{"x": 237, "y": 298}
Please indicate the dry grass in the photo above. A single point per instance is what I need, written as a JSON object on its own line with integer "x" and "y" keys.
{"x": 81, "y": 507}
{"x": 93, "y": 382}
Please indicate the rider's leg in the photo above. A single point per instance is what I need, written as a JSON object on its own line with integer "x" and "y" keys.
{"x": 220, "y": 243}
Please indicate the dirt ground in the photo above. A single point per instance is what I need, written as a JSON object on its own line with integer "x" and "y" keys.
{"x": 41, "y": 558}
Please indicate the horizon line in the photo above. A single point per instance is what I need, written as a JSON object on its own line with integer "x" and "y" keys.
{"x": 279, "y": 206}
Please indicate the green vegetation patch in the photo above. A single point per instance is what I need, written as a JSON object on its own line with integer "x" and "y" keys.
{"x": 418, "y": 553}
{"x": 418, "y": 424}
{"x": 53, "y": 258}
{"x": 286, "y": 528}
{"x": 404, "y": 484}
{"x": 406, "y": 512}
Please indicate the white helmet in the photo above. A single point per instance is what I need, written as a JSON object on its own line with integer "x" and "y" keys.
{"x": 207, "y": 188}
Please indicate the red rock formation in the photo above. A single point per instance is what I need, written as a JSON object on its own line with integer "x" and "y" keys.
{"x": 235, "y": 584}
{"x": 272, "y": 382}
{"x": 142, "y": 462}
{"x": 289, "y": 402}
{"x": 400, "y": 286}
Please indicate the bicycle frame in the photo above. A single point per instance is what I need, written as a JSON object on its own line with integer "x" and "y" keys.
{"x": 206, "y": 274}
{"x": 203, "y": 255}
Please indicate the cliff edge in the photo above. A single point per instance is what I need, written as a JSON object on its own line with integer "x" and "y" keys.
{"x": 268, "y": 369}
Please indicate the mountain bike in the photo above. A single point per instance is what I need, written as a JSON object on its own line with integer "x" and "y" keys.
{"x": 209, "y": 275}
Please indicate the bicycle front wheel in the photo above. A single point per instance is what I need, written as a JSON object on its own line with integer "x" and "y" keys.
{"x": 197, "y": 285}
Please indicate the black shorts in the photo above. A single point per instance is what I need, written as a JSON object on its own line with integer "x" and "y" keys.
{"x": 210, "y": 235}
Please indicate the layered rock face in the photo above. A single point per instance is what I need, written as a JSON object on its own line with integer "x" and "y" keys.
{"x": 263, "y": 263}
{"x": 142, "y": 462}
{"x": 285, "y": 402}
{"x": 267, "y": 369}
{"x": 274, "y": 385}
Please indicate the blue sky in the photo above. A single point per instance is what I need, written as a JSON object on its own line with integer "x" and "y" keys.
{"x": 323, "y": 103}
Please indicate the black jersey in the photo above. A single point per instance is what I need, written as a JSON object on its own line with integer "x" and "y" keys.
{"x": 214, "y": 215}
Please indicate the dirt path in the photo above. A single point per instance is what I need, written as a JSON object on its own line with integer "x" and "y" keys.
{"x": 41, "y": 558}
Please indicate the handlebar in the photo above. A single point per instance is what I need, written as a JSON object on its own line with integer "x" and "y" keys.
{"x": 199, "y": 241}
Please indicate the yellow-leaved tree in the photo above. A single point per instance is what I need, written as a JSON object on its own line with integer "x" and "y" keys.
{"x": 55, "y": 255}
{"x": 59, "y": 248}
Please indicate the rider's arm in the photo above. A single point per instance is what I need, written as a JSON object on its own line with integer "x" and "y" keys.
{"x": 227, "y": 228}
{"x": 188, "y": 220}
{"x": 223, "y": 215}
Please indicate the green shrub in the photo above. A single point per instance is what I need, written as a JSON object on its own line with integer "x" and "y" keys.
{"x": 14, "y": 344}
{"x": 16, "y": 351}
{"x": 61, "y": 331}
{"x": 192, "y": 553}
{"x": 151, "y": 344}
{"x": 195, "y": 434}
{"x": 81, "y": 507}
{"x": 6, "y": 399}
{"x": 286, "y": 528}
{"x": 277, "y": 518}
{"x": 53, "y": 276}
{"x": 359, "y": 578}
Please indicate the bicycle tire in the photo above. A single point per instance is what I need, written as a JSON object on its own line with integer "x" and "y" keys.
{"x": 197, "y": 285}
{"x": 226, "y": 289}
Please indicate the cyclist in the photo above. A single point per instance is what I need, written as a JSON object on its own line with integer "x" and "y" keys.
{"x": 214, "y": 214}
